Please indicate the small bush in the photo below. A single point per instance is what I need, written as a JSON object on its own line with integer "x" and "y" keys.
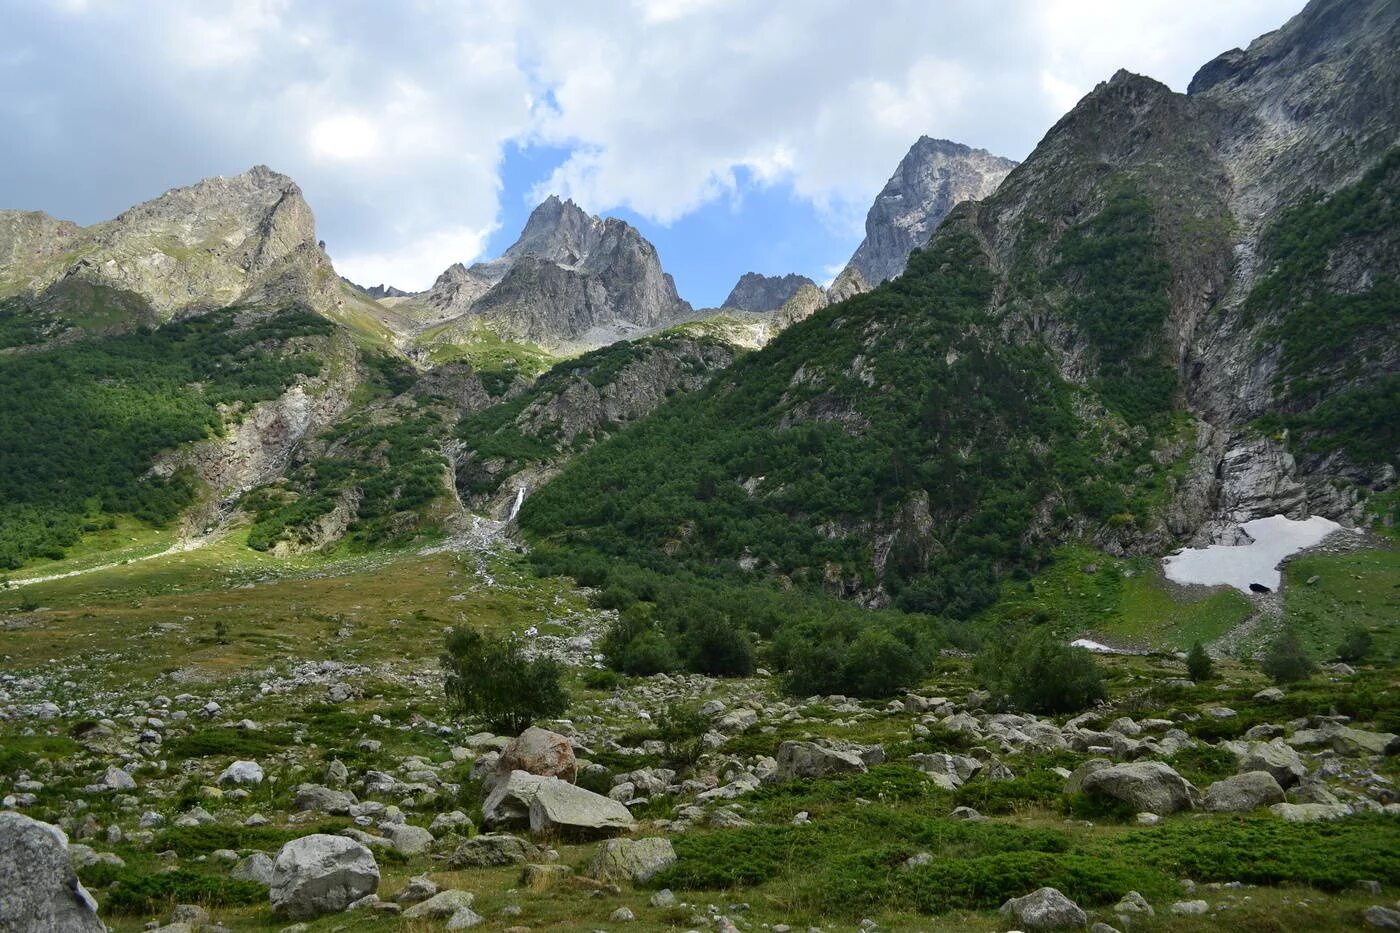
{"x": 1355, "y": 646}
{"x": 1038, "y": 789}
{"x": 233, "y": 743}
{"x": 683, "y": 730}
{"x": 601, "y": 679}
{"x": 1199, "y": 666}
{"x": 492, "y": 679}
{"x": 1039, "y": 673}
{"x": 1286, "y": 661}
{"x": 647, "y": 654}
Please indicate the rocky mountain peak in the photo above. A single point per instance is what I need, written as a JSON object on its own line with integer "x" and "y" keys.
{"x": 934, "y": 176}
{"x": 202, "y": 246}
{"x": 559, "y": 231}
{"x": 757, "y": 292}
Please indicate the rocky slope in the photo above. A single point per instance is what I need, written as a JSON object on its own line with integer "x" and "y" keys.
{"x": 755, "y": 292}
{"x": 933, "y": 177}
{"x": 570, "y": 281}
{"x": 1103, "y": 306}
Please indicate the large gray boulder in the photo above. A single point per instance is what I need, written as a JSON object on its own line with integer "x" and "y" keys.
{"x": 1276, "y": 757}
{"x": 805, "y": 759}
{"x": 1243, "y": 792}
{"x": 38, "y": 887}
{"x": 561, "y": 807}
{"x": 256, "y": 867}
{"x": 636, "y": 860}
{"x": 440, "y": 906}
{"x": 491, "y": 850}
{"x": 508, "y": 803}
{"x": 1147, "y": 785}
{"x": 323, "y": 799}
{"x": 1045, "y": 909}
{"x": 320, "y": 874}
{"x": 539, "y": 751}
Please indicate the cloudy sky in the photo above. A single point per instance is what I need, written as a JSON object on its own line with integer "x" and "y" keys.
{"x": 738, "y": 134}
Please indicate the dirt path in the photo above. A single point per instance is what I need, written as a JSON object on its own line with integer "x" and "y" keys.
{"x": 182, "y": 546}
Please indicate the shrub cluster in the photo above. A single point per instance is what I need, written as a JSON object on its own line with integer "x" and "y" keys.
{"x": 1037, "y": 671}
{"x": 493, "y": 679}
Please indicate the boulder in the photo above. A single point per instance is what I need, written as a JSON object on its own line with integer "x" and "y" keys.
{"x": 1276, "y": 757}
{"x": 406, "y": 839}
{"x": 256, "y": 867}
{"x": 1310, "y": 812}
{"x": 636, "y": 860}
{"x": 440, "y": 906}
{"x": 541, "y": 752}
{"x": 1075, "y": 782}
{"x": 322, "y": 799}
{"x": 464, "y": 919}
{"x": 559, "y": 806}
{"x": 1381, "y": 918}
{"x": 1046, "y": 909}
{"x": 418, "y": 890}
{"x": 1243, "y": 792}
{"x": 1146, "y": 785}
{"x": 38, "y": 887}
{"x": 954, "y": 769}
{"x": 242, "y": 772}
{"x": 493, "y": 849}
{"x": 508, "y": 804}
{"x": 320, "y": 874}
{"x": 805, "y": 759}
{"x": 1348, "y": 741}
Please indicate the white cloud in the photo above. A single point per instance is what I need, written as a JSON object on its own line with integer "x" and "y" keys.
{"x": 393, "y": 117}
{"x": 418, "y": 260}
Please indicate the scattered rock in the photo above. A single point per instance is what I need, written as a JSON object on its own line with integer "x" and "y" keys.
{"x": 440, "y": 906}
{"x": 493, "y": 849}
{"x": 1146, "y": 785}
{"x": 562, "y": 807}
{"x": 256, "y": 867}
{"x": 636, "y": 860}
{"x": 1243, "y": 792}
{"x": 242, "y": 772}
{"x": 1045, "y": 909}
{"x": 806, "y": 759}
{"x": 540, "y": 752}
{"x": 320, "y": 874}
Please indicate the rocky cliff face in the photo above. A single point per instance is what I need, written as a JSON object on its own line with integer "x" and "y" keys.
{"x": 931, "y": 179}
{"x": 205, "y": 246}
{"x": 755, "y": 292}
{"x": 571, "y": 408}
{"x": 570, "y": 281}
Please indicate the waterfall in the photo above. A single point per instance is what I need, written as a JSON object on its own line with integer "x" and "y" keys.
{"x": 515, "y": 506}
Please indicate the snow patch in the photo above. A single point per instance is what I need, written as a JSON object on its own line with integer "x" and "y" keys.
{"x": 1093, "y": 646}
{"x": 1271, "y": 540}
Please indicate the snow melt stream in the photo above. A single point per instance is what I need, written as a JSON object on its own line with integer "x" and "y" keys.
{"x": 1272, "y": 539}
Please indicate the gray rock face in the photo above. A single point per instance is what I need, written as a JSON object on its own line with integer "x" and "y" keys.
{"x": 508, "y": 804}
{"x": 636, "y": 860}
{"x": 493, "y": 850}
{"x": 805, "y": 759}
{"x": 440, "y": 906}
{"x": 1148, "y": 785}
{"x": 321, "y": 874}
{"x": 1278, "y": 759}
{"x": 208, "y": 245}
{"x": 38, "y": 888}
{"x": 1243, "y": 792}
{"x": 570, "y": 281}
{"x": 933, "y": 177}
{"x": 256, "y": 867}
{"x": 560, "y": 807}
{"x": 1045, "y": 909}
{"x": 756, "y": 292}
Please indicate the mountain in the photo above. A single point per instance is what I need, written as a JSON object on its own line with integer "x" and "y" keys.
{"x": 571, "y": 280}
{"x": 1177, "y": 315}
{"x": 932, "y": 178}
{"x": 755, "y": 292}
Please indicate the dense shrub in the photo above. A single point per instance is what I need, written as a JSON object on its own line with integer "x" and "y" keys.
{"x": 492, "y": 679}
{"x": 1355, "y": 646}
{"x": 1286, "y": 660}
{"x": 1199, "y": 666}
{"x": 839, "y": 654}
{"x": 148, "y": 893}
{"x": 711, "y": 644}
{"x": 1036, "y": 671}
{"x": 683, "y": 729}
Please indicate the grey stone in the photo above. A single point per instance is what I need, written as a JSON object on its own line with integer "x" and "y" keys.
{"x": 320, "y": 874}
{"x": 541, "y": 752}
{"x": 1276, "y": 757}
{"x": 1045, "y": 909}
{"x": 1146, "y": 785}
{"x": 805, "y": 759}
{"x": 1310, "y": 812}
{"x": 440, "y": 906}
{"x": 256, "y": 867}
{"x": 562, "y": 807}
{"x": 418, "y": 890}
{"x": 322, "y": 799}
{"x": 40, "y": 889}
{"x": 1243, "y": 792}
{"x": 493, "y": 849}
{"x": 636, "y": 860}
{"x": 508, "y": 803}
{"x": 1381, "y": 918}
{"x": 242, "y": 772}
{"x": 406, "y": 839}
